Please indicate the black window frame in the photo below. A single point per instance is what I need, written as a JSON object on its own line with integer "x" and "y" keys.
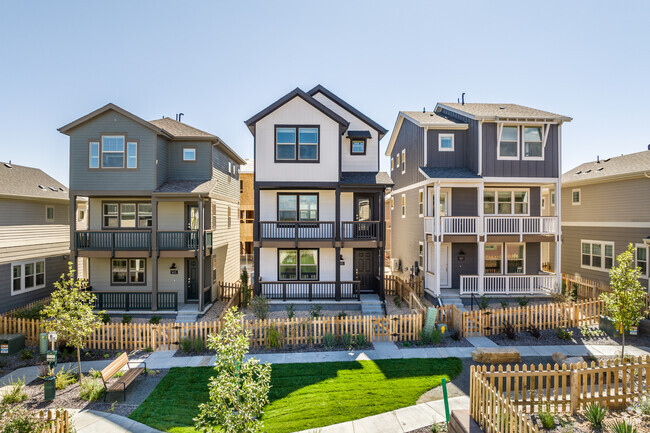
{"x": 298, "y": 250}
{"x": 128, "y": 271}
{"x": 298, "y": 194}
{"x": 296, "y": 158}
{"x": 365, "y": 145}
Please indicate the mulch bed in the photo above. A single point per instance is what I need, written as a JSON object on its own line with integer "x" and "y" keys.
{"x": 566, "y": 423}
{"x": 549, "y": 338}
{"x": 445, "y": 342}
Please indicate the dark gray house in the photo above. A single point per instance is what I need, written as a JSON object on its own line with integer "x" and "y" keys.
{"x": 163, "y": 206}
{"x": 466, "y": 204}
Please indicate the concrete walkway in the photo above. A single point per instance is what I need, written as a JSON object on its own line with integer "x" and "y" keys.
{"x": 92, "y": 421}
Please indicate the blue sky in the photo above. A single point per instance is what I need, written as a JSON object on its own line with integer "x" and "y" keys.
{"x": 220, "y": 63}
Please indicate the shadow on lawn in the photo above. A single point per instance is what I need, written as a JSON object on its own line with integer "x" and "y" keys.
{"x": 285, "y": 381}
{"x": 404, "y": 368}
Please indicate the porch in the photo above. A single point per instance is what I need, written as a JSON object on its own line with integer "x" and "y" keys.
{"x": 312, "y": 290}
{"x": 493, "y": 225}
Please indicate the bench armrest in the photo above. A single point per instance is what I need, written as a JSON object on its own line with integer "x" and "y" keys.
{"x": 138, "y": 362}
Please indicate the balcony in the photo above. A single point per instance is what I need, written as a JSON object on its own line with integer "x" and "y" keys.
{"x": 544, "y": 284}
{"x": 360, "y": 230}
{"x": 310, "y": 290}
{"x": 183, "y": 240}
{"x": 113, "y": 240}
{"x": 463, "y": 225}
{"x": 127, "y": 301}
{"x": 297, "y": 230}
{"x": 502, "y": 225}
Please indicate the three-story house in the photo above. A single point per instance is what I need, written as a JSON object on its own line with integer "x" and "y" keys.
{"x": 319, "y": 195}
{"x": 163, "y": 206}
{"x": 466, "y": 204}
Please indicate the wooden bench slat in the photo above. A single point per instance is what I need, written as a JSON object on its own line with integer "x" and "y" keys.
{"x": 121, "y": 383}
{"x": 115, "y": 366}
{"x": 127, "y": 379}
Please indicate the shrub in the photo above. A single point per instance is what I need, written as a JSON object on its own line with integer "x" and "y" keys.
{"x": 148, "y": 349}
{"x": 314, "y": 311}
{"x": 483, "y": 303}
{"x": 509, "y": 330}
{"x": 104, "y": 318}
{"x": 273, "y": 338}
{"x": 126, "y": 318}
{"x": 65, "y": 378}
{"x": 186, "y": 345}
{"x": 342, "y": 314}
{"x": 119, "y": 373}
{"x": 245, "y": 288}
{"x": 14, "y": 392}
{"x": 522, "y": 301}
{"x": 438, "y": 428}
{"x": 534, "y": 331}
{"x": 360, "y": 340}
{"x": 595, "y": 413}
{"x": 643, "y": 406}
{"x": 96, "y": 374}
{"x": 455, "y": 335}
{"x": 547, "y": 420}
{"x": 199, "y": 345}
{"x": 564, "y": 334}
{"x": 154, "y": 320}
{"x": 260, "y": 307}
{"x": 423, "y": 339}
{"x": 621, "y": 426}
{"x": 346, "y": 340}
{"x": 22, "y": 421}
{"x": 329, "y": 340}
{"x": 290, "y": 311}
{"x": 91, "y": 389}
{"x": 436, "y": 337}
{"x": 574, "y": 293}
{"x": 588, "y": 332}
{"x": 26, "y": 354}
{"x": 504, "y": 304}
{"x": 398, "y": 301}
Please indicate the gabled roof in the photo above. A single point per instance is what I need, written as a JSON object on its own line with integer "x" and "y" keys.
{"x": 319, "y": 88}
{"x": 448, "y": 173}
{"x": 72, "y": 125}
{"x": 423, "y": 119}
{"x": 605, "y": 169}
{"x": 366, "y": 178}
{"x": 359, "y": 134}
{"x": 27, "y": 182}
{"x": 180, "y": 130}
{"x": 485, "y": 111}
{"x": 297, "y": 92}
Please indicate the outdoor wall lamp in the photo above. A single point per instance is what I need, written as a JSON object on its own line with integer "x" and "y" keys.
{"x": 461, "y": 256}
{"x": 341, "y": 260}
{"x": 173, "y": 266}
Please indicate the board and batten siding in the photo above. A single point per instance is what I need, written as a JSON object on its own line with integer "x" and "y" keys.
{"x": 227, "y": 185}
{"x": 411, "y": 138}
{"x": 297, "y": 112}
{"x": 470, "y": 140}
{"x": 409, "y": 230}
{"x": 455, "y": 158}
{"x": 84, "y": 179}
{"x": 54, "y": 268}
{"x": 464, "y": 202}
{"x": 193, "y": 170}
{"x": 493, "y": 167}
{"x": 163, "y": 160}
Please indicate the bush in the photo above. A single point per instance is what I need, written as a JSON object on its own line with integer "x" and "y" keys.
{"x": 621, "y": 426}
{"x": 547, "y": 420}
{"x": 126, "y": 318}
{"x": 155, "y": 320}
{"x": 26, "y": 354}
{"x": 245, "y": 288}
{"x": 423, "y": 339}
{"x": 534, "y": 331}
{"x": 314, "y": 311}
{"x": 96, "y": 374}
{"x": 360, "y": 340}
{"x": 186, "y": 345}
{"x": 438, "y": 428}
{"x": 91, "y": 389}
{"x": 564, "y": 334}
{"x": 504, "y": 304}
{"x": 14, "y": 392}
{"x": 346, "y": 341}
{"x": 65, "y": 378}
{"x": 587, "y": 332}
{"x": 436, "y": 337}
{"x": 22, "y": 421}
{"x": 643, "y": 406}
{"x": 329, "y": 340}
{"x": 509, "y": 330}
{"x": 290, "y": 311}
{"x": 455, "y": 335}
{"x": 398, "y": 301}
{"x": 595, "y": 413}
{"x": 260, "y": 307}
{"x": 148, "y": 349}
{"x": 483, "y": 303}
{"x": 342, "y": 314}
{"x": 199, "y": 345}
{"x": 273, "y": 338}
{"x": 523, "y": 301}
{"x": 104, "y": 318}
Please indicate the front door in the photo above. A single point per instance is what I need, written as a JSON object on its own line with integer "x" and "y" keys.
{"x": 363, "y": 213}
{"x": 192, "y": 287}
{"x": 365, "y": 270}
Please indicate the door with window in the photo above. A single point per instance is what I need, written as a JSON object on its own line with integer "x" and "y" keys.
{"x": 444, "y": 199}
{"x": 363, "y": 214}
{"x": 365, "y": 270}
{"x": 192, "y": 223}
{"x": 192, "y": 285}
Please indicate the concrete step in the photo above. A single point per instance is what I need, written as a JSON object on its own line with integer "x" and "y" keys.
{"x": 461, "y": 422}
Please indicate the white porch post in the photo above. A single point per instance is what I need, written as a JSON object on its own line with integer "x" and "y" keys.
{"x": 558, "y": 238}
{"x": 481, "y": 267}
{"x": 481, "y": 240}
{"x": 437, "y": 231}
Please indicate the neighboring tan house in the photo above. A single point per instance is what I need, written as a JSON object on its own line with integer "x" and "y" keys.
{"x": 606, "y": 207}
{"x": 246, "y": 210}
{"x": 319, "y": 199}
{"x": 466, "y": 204}
{"x": 34, "y": 234}
{"x": 163, "y": 201}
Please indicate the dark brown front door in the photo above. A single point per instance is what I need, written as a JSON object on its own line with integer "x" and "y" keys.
{"x": 192, "y": 287}
{"x": 364, "y": 270}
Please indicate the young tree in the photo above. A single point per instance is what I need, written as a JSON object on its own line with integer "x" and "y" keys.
{"x": 626, "y": 303}
{"x": 239, "y": 390}
{"x": 245, "y": 288}
{"x": 70, "y": 312}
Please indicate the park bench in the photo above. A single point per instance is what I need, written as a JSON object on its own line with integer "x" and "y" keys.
{"x": 121, "y": 383}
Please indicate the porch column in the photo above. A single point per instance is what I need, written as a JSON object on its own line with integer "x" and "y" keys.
{"x": 201, "y": 254}
{"x": 481, "y": 239}
{"x": 480, "y": 228}
{"x": 558, "y": 233}
{"x": 154, "y": 253}
{"x": 73, "y": 230}
{"x": 436, "y": 265}
{"x": 256, "y": 241}
{"x": 481, "y": 267}
{"x": 437, "y": 236}
{"x": 337, "y": 243}
{"x": 382, "y": 244}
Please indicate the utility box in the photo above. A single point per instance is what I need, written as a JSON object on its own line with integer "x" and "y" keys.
{"x": 11, "y": 343}
{"x": 42, "y": 342}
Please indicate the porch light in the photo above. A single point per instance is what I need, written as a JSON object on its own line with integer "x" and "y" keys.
{"x": 341, "y": 260}
{"x": 173, "y": 266}
{"x": 461, "y": 255}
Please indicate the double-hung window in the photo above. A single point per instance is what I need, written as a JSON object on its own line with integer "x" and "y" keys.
{"x": 296, "y": 143}
{"x": 113, "y": 151}
{"x": 515, "y": 262}
{"x": 641, "y": 257}
{"x": 128, "y": 271}
{"x": 421, "y": 202}
{"x": 576, "y": 198}
{"x": 597, "y": 255}
{"x": 509, "y": 143}
{"x": 403, "y": 161}
{"x": 93, "y": 154}
{"x": 27, "y": 276}
{"x": 506, "y": 202}
{"x": 298, "y": 265}
{"x": 533, "y": 148}
{"x": 297, "y": 207}
{"x": 144, "y": 214}
{"x": 127, "y": 215}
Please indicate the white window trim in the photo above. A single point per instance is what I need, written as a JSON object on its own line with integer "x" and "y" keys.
{"x": 440, "y": 137}
{"x": 507, "y": 158}
{"x": 99, "y": 154}
{"x": 126, "y": 154}
{"x": 579, "y": 202}
{"x": 421, "y": 202}
{"x": 553, "y": 199}
{"x": 543, "y": 202}
{"x": 22, "y": 276}
{"x": 512, "y": 196}
{"x": 397, "y": 160}
{"x": 188, "y": 148}
{"x": 403, "y": 161}
{"x": 392, "y": 162}
{"x": 421, "y": 248}
{"x": 504, "y": 258}
{"x": 403, "y": 206}
{"x": 602, "y": 244}
{"x": 523, "y": 143}
{"x": 123, "y": 152}
{"x": 647, "y": 259}
{"x": 53, "y": 215}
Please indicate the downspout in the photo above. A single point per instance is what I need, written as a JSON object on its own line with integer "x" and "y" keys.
{"x": 480, "y": 147}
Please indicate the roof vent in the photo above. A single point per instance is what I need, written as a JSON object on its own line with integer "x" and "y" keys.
{"x": 8, "y": 165}
{"x": 606, "y": 160}
{"x": 579, "y": 172}
{"x": 61, "y": 189}
{"x": 588, "y": 171}
{"x": 41, "y": 187}
{"x": 502, "y": 108}
{"x": 53, "y": 189}
{"x": 600, "y": 169}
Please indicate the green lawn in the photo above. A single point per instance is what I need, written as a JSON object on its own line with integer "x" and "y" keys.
{"x": 304, "y": 395}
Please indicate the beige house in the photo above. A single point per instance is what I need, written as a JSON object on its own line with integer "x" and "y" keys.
{"x": 246, "y": 209}
{"x": 605, "y": 207}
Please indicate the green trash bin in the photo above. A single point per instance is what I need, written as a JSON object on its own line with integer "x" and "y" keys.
{"x": 42, "y": 342}
{"x": 49, "y": 388}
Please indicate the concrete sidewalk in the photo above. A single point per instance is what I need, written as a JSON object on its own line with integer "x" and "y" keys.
{"x": 92, "y": 421}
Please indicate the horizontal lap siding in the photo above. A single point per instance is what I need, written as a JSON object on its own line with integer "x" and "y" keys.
{"x": 225, "y": 241}
{"x": 32, "y": 212}
{"x": 195, "y": 170}
{"x": 163, "y": 160}
{"x": 227, "y": 185}
{"x": 408, "y": 231}
{"x": 54, "y": 268}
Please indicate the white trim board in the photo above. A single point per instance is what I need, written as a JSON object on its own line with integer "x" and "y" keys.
{"x": 625, "y": 224}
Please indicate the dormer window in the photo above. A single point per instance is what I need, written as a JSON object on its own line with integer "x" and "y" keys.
{"x": 294, "y": 143}
{"x": 358, "y": 146}
{"x": 189, "y": 154}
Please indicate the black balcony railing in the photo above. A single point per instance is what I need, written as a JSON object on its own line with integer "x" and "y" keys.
{"x": 112, "y": 240}
{"x": 310, "y": 290}
{"x": 360, "y": 230}
{"x": 134, "y": 301}
{"x": 179, "y": 240}
{"x": 298, "y": 230}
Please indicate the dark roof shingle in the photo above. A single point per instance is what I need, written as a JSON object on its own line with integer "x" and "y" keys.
{"x": 619, "y": 165}
{"x": 366, "y": 178}
{"x": 186, "y": 187}
{"x": 449, "y": 173}
{"x": 21, "y": 181}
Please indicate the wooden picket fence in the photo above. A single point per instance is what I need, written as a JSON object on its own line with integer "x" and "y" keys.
{"x": 228, "y": 290}
{"x": 588, "y": 289}
{"x": 392, "y": 284}
{"x": 58, "y": 421}
{"x": 544, "y": 316}
{"x": 566, "y": 388}
{"x": 26, "y": 307}
{"x": 408, "y": 293}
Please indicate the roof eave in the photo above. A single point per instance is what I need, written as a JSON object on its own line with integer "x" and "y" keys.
{"x": 110, "y": 106}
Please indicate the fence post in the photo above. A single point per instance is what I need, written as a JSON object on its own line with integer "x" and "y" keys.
{"x": 574, "y": 391}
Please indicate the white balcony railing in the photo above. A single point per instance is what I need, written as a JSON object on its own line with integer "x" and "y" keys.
{"x": 459, "y": 225}
{"x": 509, "y": 284}
{"x": 429, "y": 225}
{"x": 502, "y": 225}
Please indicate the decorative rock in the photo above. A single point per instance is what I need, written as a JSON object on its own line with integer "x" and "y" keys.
{"x": 575, "y": 360}
{"x": 500, "y": 355}
{"x": 559, "y": 357}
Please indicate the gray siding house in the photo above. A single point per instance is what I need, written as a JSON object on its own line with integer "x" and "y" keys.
{"x": 466, "y": 204}
{"x": 606, "y": 207}
{"x": 163, "y": 200}
{"x": 34, "y": 234}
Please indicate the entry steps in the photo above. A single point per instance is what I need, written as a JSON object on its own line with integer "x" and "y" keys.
{"x": 451, "y": 297}
{"x": 371, "y": 305}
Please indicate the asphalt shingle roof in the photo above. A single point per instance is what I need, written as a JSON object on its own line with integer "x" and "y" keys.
{"x": 366, "y": 178}
{"x": 187, "y": 186}
{"x": 180, "y": 129}
{"x": 485, "y": 110}
{"x": 21, "y": 181}
{"x": 359, "y": 134}
{"x": 619, "y": 165}
{"x": 429, "y": 118}
{"x": 449, "y": 173}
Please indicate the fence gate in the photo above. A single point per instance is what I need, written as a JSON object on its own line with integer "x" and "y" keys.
{"x": 381, "y": 329}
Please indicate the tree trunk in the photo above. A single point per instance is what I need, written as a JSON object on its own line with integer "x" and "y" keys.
{"x": 79, "y": 363}
{"x": 623, "y": 345}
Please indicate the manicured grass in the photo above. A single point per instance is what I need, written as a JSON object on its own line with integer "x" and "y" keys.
{"x": 304, "y": 395}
